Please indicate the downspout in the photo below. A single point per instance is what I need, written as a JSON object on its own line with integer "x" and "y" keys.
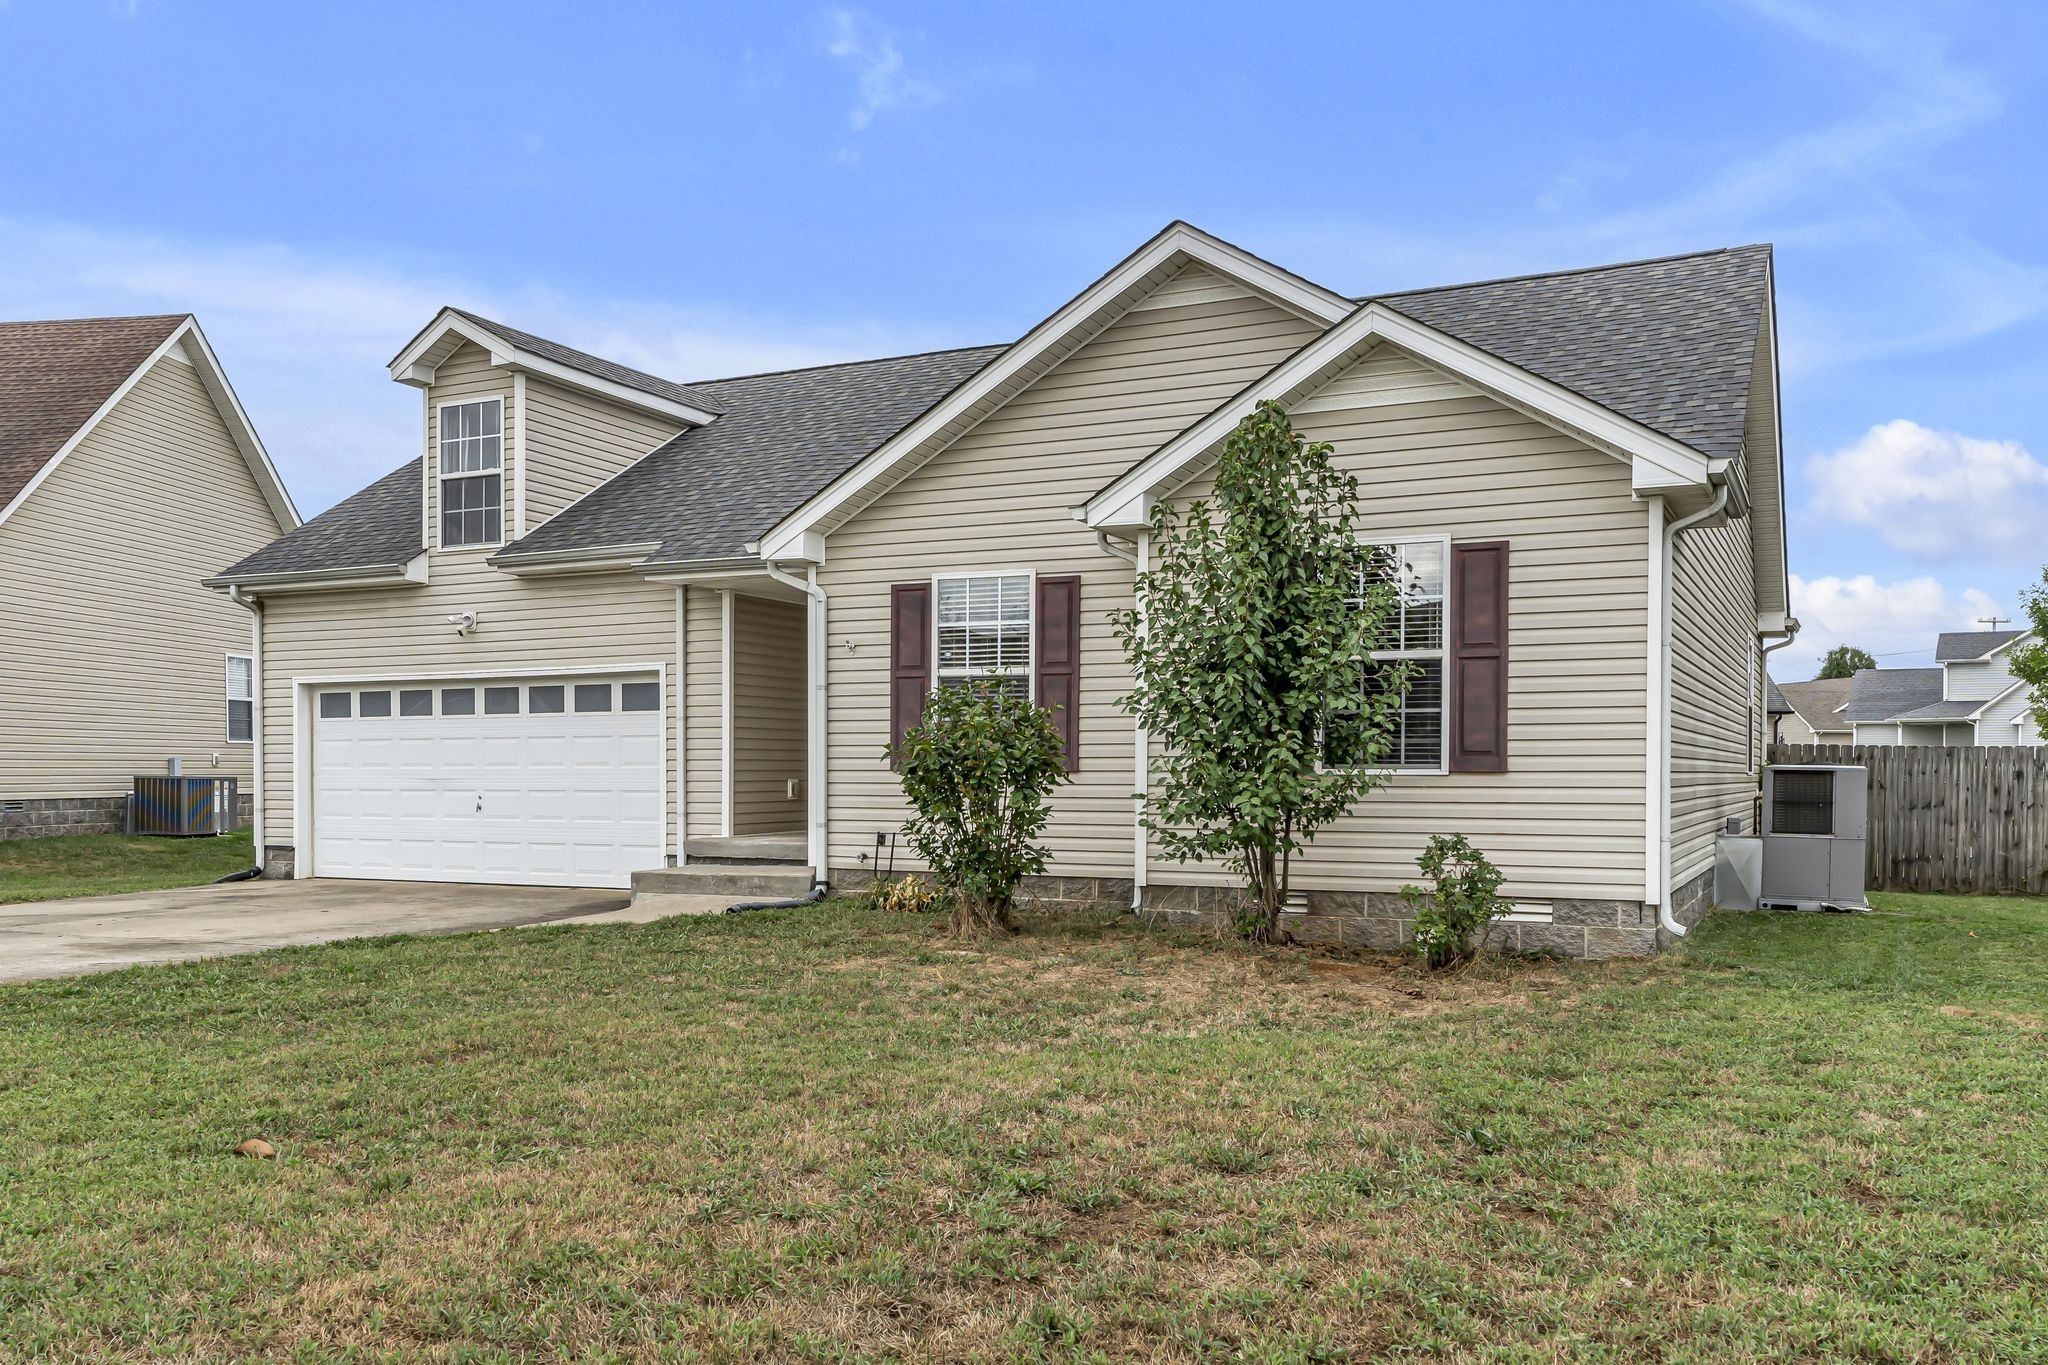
{"x": 1763, "y": 682}
{"x": 815, "y": 667}
{"x": 1140, "y": 560}
{"x": 254, "y": 606}
{"x": 1665, "y": 921}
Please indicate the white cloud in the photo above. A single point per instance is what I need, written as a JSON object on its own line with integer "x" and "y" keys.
{"x": 1937, "y": 495}
{"x": 881, "y": 79}
{"x": 1897, "y": 622}
{"x": 305, "y": 338}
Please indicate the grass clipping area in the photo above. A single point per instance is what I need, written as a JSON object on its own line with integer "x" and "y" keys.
{"x": 839, "y": 1135}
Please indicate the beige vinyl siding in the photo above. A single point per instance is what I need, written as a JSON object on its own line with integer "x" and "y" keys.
{"x": 768, "y": 715}
{"x": 704, "y": 730}
{"x": 112, "y": 657}
{"x": 1000, "y": 497}
{"x": 1713, "y": 688}
{"x": 1793, "y": 730}
{"x": 1435, "y": 457}
{"x": 467, "y": 376}
{"x": 575, "y": 442}
{"x": 536, "y": 625}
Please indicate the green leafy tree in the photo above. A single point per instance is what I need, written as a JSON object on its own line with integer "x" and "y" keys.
{"x": 1844, "y": 661}
{"x": 1250, "y": 656}
{"x": 1452, "y": 919}
{"x": 2029, "y": 662}
{"x": 977, "y": 770}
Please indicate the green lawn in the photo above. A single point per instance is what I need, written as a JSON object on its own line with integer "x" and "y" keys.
{"x": 828, "y": 1134}
{"x": 103, "y": 864}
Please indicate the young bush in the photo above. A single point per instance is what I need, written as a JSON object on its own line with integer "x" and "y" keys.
{"x": 1452, "y": 921}
{"x": 904, "y": 896}
{"x": 1260, "y": 612}
{"x": 977, "y": 771}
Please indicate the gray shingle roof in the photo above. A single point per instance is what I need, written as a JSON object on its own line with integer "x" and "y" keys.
{"x": 54, "y": 375}
{"x": 1941, "y": 710}
{"x": 1817, "y": 700}
{"x": 1666, "y": 342}
{"x": 1887, "y": 693}
{"x": 785, "y": 435}
{"x": 591, "y": 364}
{"x": 1775, "y": 703}
{"x": 1971, "y": 644}
{"x": 378, "y": 528}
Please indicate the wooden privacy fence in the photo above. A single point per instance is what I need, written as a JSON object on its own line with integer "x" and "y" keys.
{"x": 1942, "y": 819}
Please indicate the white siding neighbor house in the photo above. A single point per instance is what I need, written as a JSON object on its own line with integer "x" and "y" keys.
{"x": 607, "y": 629}
{"x": 1969, "y": 698}
{"x": 128, "y": 472}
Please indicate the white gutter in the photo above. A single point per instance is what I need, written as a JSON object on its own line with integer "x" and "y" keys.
{"x": 815, "y": 666}
{"x": 1140, "y": 560}
{"x": 1763, "y": 686}
{"x": 255, "y": 609}
{"x": 1663, "y": 539}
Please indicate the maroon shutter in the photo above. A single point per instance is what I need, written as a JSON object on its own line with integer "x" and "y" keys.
{"x": 910, "y": 656}
{"x": 1478, "y": 683}
{"x": 1059, "y": 659}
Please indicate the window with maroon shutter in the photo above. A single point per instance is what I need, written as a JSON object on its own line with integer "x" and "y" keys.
{"x": 1412, "y": 637}
{"x": 1479, "y": 657}
{"x": 1059, "y": 659}
{"x": 910, "y": 655}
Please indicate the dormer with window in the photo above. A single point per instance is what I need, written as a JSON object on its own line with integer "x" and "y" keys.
{"x": 519, "y": 428}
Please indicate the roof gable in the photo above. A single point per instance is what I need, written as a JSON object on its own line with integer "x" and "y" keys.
{"x": 1084, "y": 317}
{"x": 1818, "y": 702}
{"x": 1959, "y": 646}
{"x": 1881, "y": 694}
{"x": 59, "y": 379}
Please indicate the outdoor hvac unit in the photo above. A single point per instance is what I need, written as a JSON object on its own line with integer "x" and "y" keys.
{"x": 185, "y": 805}
{"x": 1815, "y": 836}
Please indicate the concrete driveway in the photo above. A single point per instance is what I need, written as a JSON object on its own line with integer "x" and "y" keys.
{"x": 98, "y": 933}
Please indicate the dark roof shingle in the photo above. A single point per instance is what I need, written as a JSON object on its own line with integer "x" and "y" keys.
{"x": 1954, "y": 645}
{"x": 1817, "y": 701}
{"x": 54, "y": 375}
{"x": 1665, "y": 342}
{"x": 593, "y": 365}
{"x": 1887, "y": 693}
{"x": 378, "y": 528}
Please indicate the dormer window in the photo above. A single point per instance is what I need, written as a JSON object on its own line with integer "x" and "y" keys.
{"x": 472, "y": 482}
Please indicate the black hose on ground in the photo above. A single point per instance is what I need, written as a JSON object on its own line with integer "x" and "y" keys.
{"x": 247, "y": 874}
{"x": 817, "y": 894}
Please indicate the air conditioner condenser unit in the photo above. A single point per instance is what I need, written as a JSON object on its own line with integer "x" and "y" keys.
{"x": 1816, "y": 836}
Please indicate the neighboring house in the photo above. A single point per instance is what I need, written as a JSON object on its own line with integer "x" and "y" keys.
{"x": 1815, "y": 712}
{"x": 127, "y": 473}
{"x": 606, "y": 622}
{"x": 1969, "y": 699}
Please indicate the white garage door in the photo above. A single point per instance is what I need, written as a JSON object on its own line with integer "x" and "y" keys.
{"x": 542, "y": 782}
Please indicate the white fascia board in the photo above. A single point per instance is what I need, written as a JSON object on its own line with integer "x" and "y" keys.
{"x": 1997, "y": 650}
{"x": 413, "y": 367}
{"x": 214, "y": 380}
{"x": 1656, "y": 461}
{"x": 580, "y": 560}
{"x": 1178, "y": 242}
{"x": 413, "y": 570}
{"x": 1976, "y": 714}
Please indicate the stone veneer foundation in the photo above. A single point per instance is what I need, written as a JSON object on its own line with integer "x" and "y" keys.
{"x": 1376, "y": 921}
{"x": 72, "y": 815}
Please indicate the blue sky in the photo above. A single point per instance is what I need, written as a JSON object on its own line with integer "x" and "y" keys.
{"x": 712, "y": 189}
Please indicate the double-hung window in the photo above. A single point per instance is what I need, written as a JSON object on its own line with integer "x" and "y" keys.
{"x": 984, "y": 630}
{"x": 1412, "y": 635}
{"x": 472, "y": 473}
{"x": 241, "y": 699}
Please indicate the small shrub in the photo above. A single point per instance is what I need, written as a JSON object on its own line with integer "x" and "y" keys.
{"x": 977, "y": 771}
{"x": 1452, "y": 921}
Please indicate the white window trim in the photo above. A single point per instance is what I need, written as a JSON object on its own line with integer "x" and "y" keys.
{"x": 1442, "y": 653}
{"x": 442, "y": 478}
{"x": 228, "y": 690}
{"x": 1030, "y": 577}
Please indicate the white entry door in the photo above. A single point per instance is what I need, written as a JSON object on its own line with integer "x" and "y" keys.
{"x": 541, "y": 782}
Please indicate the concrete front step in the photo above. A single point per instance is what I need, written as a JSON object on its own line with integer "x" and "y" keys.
{"x": 755, "y": 881}
{"x": 746, "y": 848}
